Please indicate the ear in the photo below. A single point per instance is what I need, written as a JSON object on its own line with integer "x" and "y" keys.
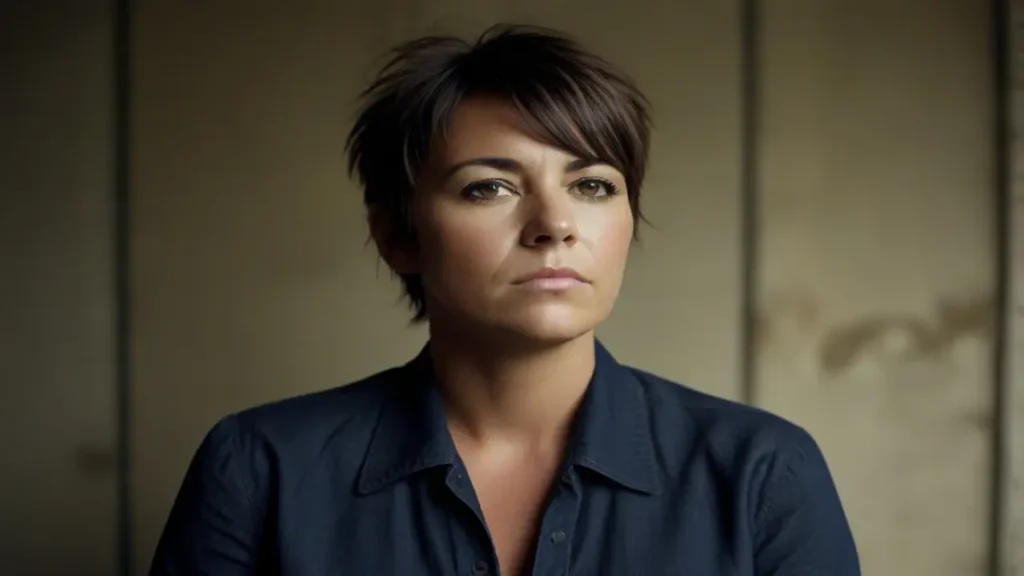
{"x": 397, "y": 251}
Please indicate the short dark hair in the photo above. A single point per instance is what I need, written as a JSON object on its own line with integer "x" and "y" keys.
{"x": 572, "y": 98}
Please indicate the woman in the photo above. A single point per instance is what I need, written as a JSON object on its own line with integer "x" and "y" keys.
{"x": 502, "y": 181}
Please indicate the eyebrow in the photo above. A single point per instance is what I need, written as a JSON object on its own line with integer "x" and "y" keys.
{"x": 510, "y": 165}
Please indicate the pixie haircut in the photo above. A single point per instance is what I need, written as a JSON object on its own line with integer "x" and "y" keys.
{"x": 569, "y": 97}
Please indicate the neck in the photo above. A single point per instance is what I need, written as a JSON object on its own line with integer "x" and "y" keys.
{"x": 524, "y": 395}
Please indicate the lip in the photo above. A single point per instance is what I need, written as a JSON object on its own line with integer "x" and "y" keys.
{"x": 550, "y": 278}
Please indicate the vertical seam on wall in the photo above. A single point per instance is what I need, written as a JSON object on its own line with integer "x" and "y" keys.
{"x": 750, "y": 63}
{"x": 122, "y": 278}
{"x": 1002, "y": 129}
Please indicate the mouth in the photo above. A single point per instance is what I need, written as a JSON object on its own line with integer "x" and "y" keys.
{"x": 554, "y": 279}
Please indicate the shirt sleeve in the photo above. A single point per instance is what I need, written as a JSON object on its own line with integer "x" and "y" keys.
{"x": 214, "y": 524}
{"x": 801, "y": 528}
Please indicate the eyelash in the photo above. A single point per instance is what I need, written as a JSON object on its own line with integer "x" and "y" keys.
{"x": 610, "y": 188}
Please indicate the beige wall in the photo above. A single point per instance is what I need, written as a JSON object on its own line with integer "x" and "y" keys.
{"x": 252, "y": 280}
{"x": 57, "y": 484}
{"x": 1013, "y": 535}
{"x": 1013, "y": 523}
{"x": 1012, "y": 544}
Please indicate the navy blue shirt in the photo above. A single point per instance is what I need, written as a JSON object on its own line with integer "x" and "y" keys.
{"x": 365, "y": 480}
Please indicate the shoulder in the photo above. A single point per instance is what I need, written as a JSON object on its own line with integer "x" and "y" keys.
{"x": 732, "y": 431}
{"x": 318, "y": 415}
{"x": 735, "y": 448}
{"x": 766, "y": 469}
{"x": 294, "y": 434}
{"x": 769, "y": 469}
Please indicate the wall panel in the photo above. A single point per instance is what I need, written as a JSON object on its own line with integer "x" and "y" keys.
{"x": 877, "y": 265}
{"x": 57, "y": 399}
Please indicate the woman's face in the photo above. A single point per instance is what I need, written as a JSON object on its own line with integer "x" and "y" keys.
{"x": 516, "y": 236}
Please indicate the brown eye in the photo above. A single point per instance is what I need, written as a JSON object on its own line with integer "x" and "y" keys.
{"x": 595, "y": 188}
{"x": 487, "y": 190}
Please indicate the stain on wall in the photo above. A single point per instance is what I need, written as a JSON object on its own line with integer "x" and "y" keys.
{"x": 898, "y": 335}
{"x": 907, "y": 336}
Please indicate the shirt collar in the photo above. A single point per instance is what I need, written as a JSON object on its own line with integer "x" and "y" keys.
{"x": 612, "y": 434}
{"x": 412, "y": 432}
{"x": 613, "y": 428}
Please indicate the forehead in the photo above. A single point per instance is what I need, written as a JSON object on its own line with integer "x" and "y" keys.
{"x": 489, "y": 126}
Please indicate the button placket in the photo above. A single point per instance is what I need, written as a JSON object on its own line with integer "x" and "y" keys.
{"x": 553, "y": 550}
{"x": 461, "y": 487}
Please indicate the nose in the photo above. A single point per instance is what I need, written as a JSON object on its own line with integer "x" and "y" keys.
{"x": 550, "y": 222}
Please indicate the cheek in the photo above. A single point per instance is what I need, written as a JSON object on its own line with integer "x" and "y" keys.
{"x": 462, "y": 245}
{"x": 612, "y": 235}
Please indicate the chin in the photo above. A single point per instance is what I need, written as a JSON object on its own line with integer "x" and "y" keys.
{"x": 528, "y": 325}
{"x": 551, "y": 327}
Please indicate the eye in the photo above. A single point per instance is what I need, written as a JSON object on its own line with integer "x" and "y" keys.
{"x": 595, "y": 188}
{"x": 487, "y": 190}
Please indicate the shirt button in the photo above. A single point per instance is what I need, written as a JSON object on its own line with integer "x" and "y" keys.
{"x": 558, "y": 537}
{"x": 480, "y": 568}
